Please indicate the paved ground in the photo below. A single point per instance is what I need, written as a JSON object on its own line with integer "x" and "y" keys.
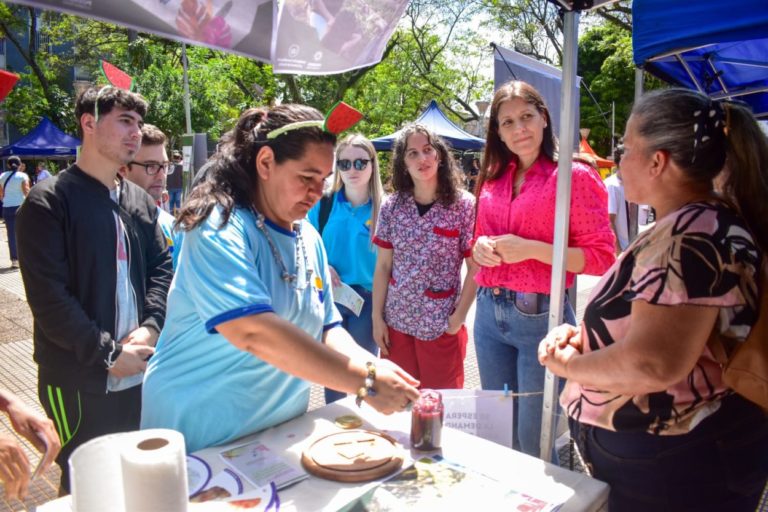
{"x": 19, "y": 373}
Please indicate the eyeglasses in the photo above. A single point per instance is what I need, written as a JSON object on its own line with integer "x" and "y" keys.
{"x": 152, "y": 168}
{"x": 358, "y": 163}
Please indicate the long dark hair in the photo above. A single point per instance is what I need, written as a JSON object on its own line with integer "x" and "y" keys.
{"x": 497, "y": 155}
{"x": 448, "y": 179}
{"x": 732, "y": 143}
{"x": 231, "y": 179}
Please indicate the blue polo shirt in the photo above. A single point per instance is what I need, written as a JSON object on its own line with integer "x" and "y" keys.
{"x": 197, "y": 382}
{"x": 347, "y": 239}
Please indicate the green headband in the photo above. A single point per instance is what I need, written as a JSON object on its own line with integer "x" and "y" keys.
{"x": 341, "y": 117}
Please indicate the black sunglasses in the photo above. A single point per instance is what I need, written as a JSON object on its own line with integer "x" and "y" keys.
{"x": 358, "y": 163}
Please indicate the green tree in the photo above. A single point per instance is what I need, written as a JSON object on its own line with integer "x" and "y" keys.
{"x": 43, "y": 84}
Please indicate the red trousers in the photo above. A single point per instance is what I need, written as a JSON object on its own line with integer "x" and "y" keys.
{"x": 438, "y": 363}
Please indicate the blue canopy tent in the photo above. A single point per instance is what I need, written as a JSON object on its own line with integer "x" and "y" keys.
{"x": 718, "y": 47}
{"x": 44, "y": 141}
{"x": 434, "y": 119}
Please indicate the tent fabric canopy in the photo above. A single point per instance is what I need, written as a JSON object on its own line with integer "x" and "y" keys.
{"x": 45, "y": 141}
{"x": 718, "y": 47}
{"x": 434, "y": 119}
{"x": 584, "y": 147}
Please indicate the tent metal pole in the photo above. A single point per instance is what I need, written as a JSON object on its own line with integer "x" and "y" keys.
{"x": 638, "y": 83}
{"x": 187, "y": 108}
{"x": 562, "y": 213}
{"x": 690, "y": 74}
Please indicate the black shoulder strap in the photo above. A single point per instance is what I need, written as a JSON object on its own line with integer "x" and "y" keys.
{"x": 5, "y": 185}
{"x": 326, "y": 203}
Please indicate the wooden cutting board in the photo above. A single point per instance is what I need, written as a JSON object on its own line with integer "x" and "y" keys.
{"x": 353, "y": 456}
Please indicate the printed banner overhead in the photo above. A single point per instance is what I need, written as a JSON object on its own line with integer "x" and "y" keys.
{"x": 314, "y": 37}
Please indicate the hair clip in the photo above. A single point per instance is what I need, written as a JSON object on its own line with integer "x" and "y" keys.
{"x": 341, "y": 117}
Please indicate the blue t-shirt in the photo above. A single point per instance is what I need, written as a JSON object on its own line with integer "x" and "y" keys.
{"x": 173, "y": 237}
{"x": 14, "y": 195}
{"x": 197, "y": 382}
{"x": 347, "y": 239}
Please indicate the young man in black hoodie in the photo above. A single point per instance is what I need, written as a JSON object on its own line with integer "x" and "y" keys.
{"x": 96, "y": 273}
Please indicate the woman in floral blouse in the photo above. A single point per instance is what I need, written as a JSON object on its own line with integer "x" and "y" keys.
{"x": 424, "y": 234}
{"x": 645, "y": 396}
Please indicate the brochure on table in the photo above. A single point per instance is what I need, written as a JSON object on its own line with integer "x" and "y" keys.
{"x": 435, "y": 483}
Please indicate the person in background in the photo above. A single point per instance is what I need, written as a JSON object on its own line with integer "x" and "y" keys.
{"x": 148, "y": 170}
{"x": 175, "y": 183}
{"x": 618, "y": 208}
{"x": 472, "y": 174}
{"x": 14, "y": 187}
{"x": 250, "y": 315}
{"x": 424, "y": 234}
{"x": 41, "y": 173}
{"x": 516, "y": 194}
{"x": 15, "y": 471}
{"x": 96, "y": 272}
{"x": 645, "y": 396}
{"x": 349, "y": 224}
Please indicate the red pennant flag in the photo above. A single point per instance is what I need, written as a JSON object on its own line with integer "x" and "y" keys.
{"x": 7, "y": 81}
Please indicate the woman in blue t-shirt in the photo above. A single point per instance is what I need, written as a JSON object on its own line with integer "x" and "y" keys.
{"x": 346, "y": 219}
{"x": 14, "y": 187}
{"x": 250, "y": 319}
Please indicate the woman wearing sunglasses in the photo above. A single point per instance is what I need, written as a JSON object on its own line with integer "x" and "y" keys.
{"x": 346, "y": 220}
{"x": 424, "y": 234}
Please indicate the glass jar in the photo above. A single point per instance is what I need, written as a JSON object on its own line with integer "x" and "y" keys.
{"x": 427, "y": 421}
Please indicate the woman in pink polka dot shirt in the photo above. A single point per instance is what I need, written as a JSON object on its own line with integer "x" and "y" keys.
{"x": 514, "y": 231}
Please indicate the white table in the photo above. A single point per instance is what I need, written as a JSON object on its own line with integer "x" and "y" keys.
{"x": 532, "y": 476}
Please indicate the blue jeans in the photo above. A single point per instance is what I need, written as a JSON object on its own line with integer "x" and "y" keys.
{"x": 507, "y": 342}
{"x": 174, "y": 200}
{"x": 360, "y": 328}
{"x": 9, "y": 215}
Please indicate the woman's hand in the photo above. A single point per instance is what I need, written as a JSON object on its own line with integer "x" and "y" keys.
{"x": 484, "y": 252}
{"x": 455, "y": 321}
{"x": 395, "y": 388}
{"x": 381, "y": 334}
{"x": 335, "y": 280}
{"x": 557, "y": 349}
{"x": 513, "y": 248}
{"x": 559, "y": 337}
{"x": 14, "y": 467}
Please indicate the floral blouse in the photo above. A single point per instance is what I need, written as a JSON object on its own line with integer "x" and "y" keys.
{"x": 426, "y": 262}
{"x": 702, "y": 254}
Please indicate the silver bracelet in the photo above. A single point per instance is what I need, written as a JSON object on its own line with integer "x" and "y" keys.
{"x": 111, "y": 360}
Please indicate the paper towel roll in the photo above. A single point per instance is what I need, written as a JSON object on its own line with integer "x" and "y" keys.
{"x": 154, "y": 468}
{"x": 96, "y": 475}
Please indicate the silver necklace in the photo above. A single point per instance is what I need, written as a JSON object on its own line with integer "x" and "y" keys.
{"x": 284, "y": 274}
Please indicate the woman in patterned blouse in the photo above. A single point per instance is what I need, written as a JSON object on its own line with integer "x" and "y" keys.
{"x": 424, "y": 234}
{"x": 645, "y": 396}
{"x": 516, "y": 193}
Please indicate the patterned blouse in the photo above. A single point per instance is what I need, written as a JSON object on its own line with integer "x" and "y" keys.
{"x": 531, "y": 215}
{"x": 426, "y": 261}
{"x": 702, "y": 254}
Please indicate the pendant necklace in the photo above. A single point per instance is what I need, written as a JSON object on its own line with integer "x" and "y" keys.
{"x": 284, "y": 274}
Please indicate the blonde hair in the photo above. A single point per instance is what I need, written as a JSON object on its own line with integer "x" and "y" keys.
{"x": 375, "y": 188}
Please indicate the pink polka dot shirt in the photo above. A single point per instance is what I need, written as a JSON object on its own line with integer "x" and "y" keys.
{"x": 531, "y": 215}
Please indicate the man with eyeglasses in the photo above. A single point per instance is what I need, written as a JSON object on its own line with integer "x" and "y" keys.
{"x": 96, "y": 271}
{"x": 149, "y": 170}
